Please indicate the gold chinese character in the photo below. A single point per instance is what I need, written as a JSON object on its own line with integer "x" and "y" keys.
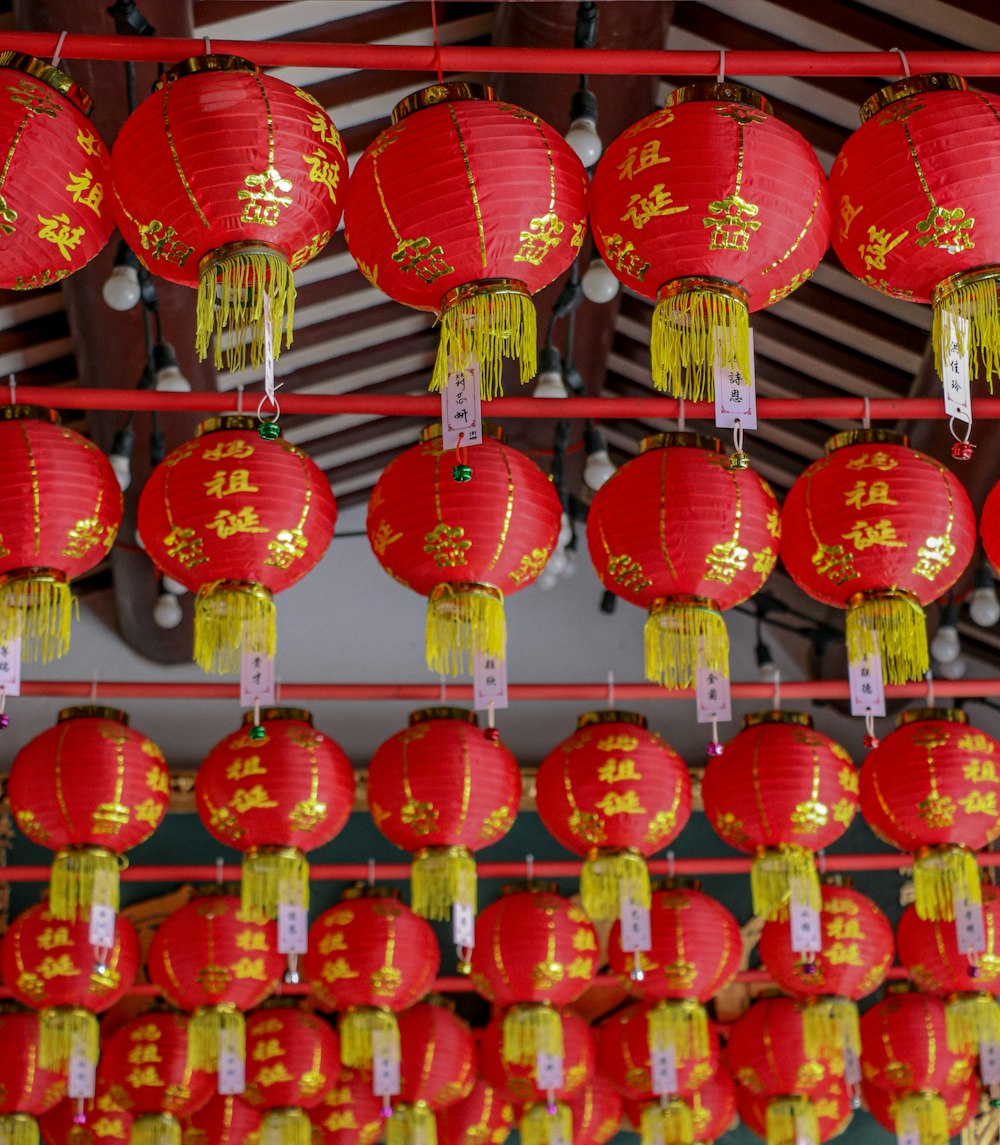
{"x": 844, "y": 953}
{"x": 542, "y": 235}
{"x": 622, "y": 256}
{"x": 447, "y": 545}
{"x": 84, "y": 190}
{"x": 848, "y": 778}
{"x": 841, "y": 928}
{"x": 35, "y": 100}
{"x": 336, "y": 970}
{"x": 252, "y": 939}
{"x": 427, "y": 262}
{"x": 764, "y": 561}
{"x": 149, "y": 811}
{"x": 246, "y": 799}
{"x": 877, "y": 460}
{"x": 531, "y": 565}
{"x": 641, "y": 208}
{"x": 250, "y": 968}
{"x": 946, "y": 229}
{"x": 627, "y": 573}
{"x": 223, "y": 484}
{"x": 320, "y": 123}
{"x": 584, "y": 939}
{"x": 580, "y": 968}
{"x": 61, "y": 966}
{"x": 272, "y": 1075}
{"x": 185, "y": 546}
{"x": 89, "y": 143}
{"x": 241, "y": 449}
{"x": 54, "y": 936}
{"x": 324, "y": 170}
{"x": 162, "y": 242}
{"x": 731, "y": 220}
{"x": 880, "y": 243}
{"x": 980, "y": 771}
{"x": 308, "y": 252}
{"x": 8, "y": 217}
{"x": 810, "y": 816}
{"x": 976, "y": 741}
{"x": 617, "y": 770}
{"x": 158, "y": 780}
{"x": 58, "y": 232}
{"x": 725, "y": 561}
{"x": 937, "y": 810}
{"x": 242, "y": 766}
{"x": 864, "y": 494}
{"x": 933, "y": 555}
{"x": 147, "y": 1075}
{"x": 262, "y": 202}
{"x": 143, "y": 1054}
{"x": 620, "y": 803}
{"x": 287, "y": 546}
{"x": 638, "y": 159}
{"x": 244, "y": 520}
{"x": 331, "y": 942}
{"x": 847, "y": 216}
{"x": 882, "y": 532}
{"x": 979, "y": 803}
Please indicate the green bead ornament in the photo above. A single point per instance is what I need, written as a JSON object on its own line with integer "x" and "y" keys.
{"x": 462, "y": 473}
{"x": 269, "y": 431}
{"x": 257, "y": 731}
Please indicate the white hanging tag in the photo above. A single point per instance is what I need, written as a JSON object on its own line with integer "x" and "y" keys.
{"x": 909, "y": 1136}
{"x": 663, "y": 1071}
{"x": 712, "y": 696}
{"x": 852, "y": 1065}
{"x": 81, "y": 1074}
{"x": 461, "y": 412}
{"x": 463, "y": 925}
{"x": 256, "y": 678}
{"x": 969, "y": 928}
{"x": 293, "y": 927}
{"x": 955, "y": 367}
{"x": 735, "y": 395}
{"x": 10, "y": 667}
{"x": 803, "y": 1132}
{"x": 385, "y": 1066}
{"x": 548, "y": 1070}
{"x": 489, "y": 682}
{"x": 989, "y": 1062}
{"x": 232, "y": 1075}
{"x": 556, "y": 1135}
{"x": 867, "y": 686}
{"x": 804, "y": 918}
{"x": 102, "y": 913}
{"x": 636, "y": 931}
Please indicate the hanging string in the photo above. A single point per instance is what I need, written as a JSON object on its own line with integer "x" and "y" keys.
{"x": 529, "y": 867}
{"x": 871, "y": 739}
{"x": 219, "y": 862}
{"x": 437, "y": 42}
{"x": 208, "y": 45}
{"x": 866, "y": 416}
{"x": 4, "y": 718}
{"x": 777, "y": 690}
{"x": 721, "y": 77}
{"x": 929, "y": 677}
{"x": 681, "y": 420}
{"x": 59, "y": 47}
{"x": 371, "y": 872}
{"x": 461, "y": 471}
{"x": 905, "y": 62}
{"x": 12, "y": 382}
{"x": 611, "y": 691}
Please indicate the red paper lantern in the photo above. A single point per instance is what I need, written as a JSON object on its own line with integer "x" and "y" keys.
{"x": 696, "y": 952}
{"x": 931, "y": 787}
{"x": 989, "y": 526}
{"x": 961, "y": 1106}
{"x": 225, "y": 1120}
{"x": 48, "y": 964}
{"x": 712, "y": 1107}
{"x": 880, "y": 529}
{"x": 685, "y": 533}
{"x": 443, "y": 790}
{"x": 464, "y": 544}
{"x": 61, "y": 511}
{"x": 507, "y": 217}
{"x": 780, "y": 791}
{"x": 596, "y": 1110}
{"x": 275, "y": 796}
{"x": 105, "y": 1122}
{"x": 535, "y": 951}
{"x": 53, "y": 217}
{"x": 832, "y": 1107}
{"x": 857, "y": 950}
{"x": 915, "y": 213}
{"x": 235, "y": 519}
{"x": 227, "y": 179}
{"x": 614, "y": 793}
{"x": 89, "y": 788}
{"x": 737, "y": 221}
{"x": 484, "y": 1117}
{"x": 146, "y": 1067}
{"x": 905, "y": 1052}
{"x": 216, "y": 962}
{"x": 348, "y": 1113}
{"x": 26, "y": 1089}
{"x": 967, "y": 982}
{"x": 369, "y": 958}
{"x": 292, "y": 1060}
{"x": 768, "y": 1058}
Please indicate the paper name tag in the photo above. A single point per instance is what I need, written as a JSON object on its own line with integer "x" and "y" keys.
{"x": 385, "y": 1065}
{"x": 10, "y": 667}
{"x": 549, "y": 1070}
{"x": 293, "y": 928}
{"x": 463, "y": 925}
{"x": 256, "y": 679}
{"x": 712, "y": 696}
{"x": 461, "y": 413}
{"x": 989, "y": 1062}
{"x": 102, "y": 925}
{"x": 735, "y": 395}
{"x": 232, "y": 1075}
{"x": 489, "y": 682}
{"x": 955, "y": 366}
{"x": 663, "y": 1071}
{"x": 81, "y": 1075}
{"x": 909, "y": 1137}
{"x": 636, "y": 931}
{"x": 867, "y": 687}
{"x": 852, "y": 1065}
{"x": 970, "y": 931}
{"x": 804, "y": 919}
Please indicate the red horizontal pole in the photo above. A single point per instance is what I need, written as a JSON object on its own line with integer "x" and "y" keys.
{"x": 740, "y": 690}
{"x": 401, "y": 405}
{"x": 460, "y": 58}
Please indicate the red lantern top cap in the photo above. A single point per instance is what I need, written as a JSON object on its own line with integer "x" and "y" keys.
{"x": 947, "y": 715}
{"x": 865, "y": 437}
{"x": 93, "y": 712}
{"x": 490, "y": 429}
{"x": 368, "y": 891}
{"x": 440, "y": 93}
{"x": 730, "y": 92}
{"x": 425, "y": 715}
{"x": 680, "y": 439}
{"x": 267, "y": 714}
{"x": 589, "y": 718}
{"x": 29, "y": 413}
{"x": 910, "y": 85}
{"x": 755, "y": 719}
{"x": 530, "y": 886}
{"x": 227, "y": 421}
{"x": 209, "y": 63}
{"x": 53, "y": 77}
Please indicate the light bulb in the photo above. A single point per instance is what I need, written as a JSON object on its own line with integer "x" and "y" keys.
{"x": 547, "y": 579}
{"x": 167, "y": 375}
{"x": 174, "y": 586}
{"x": 582, "y": 135}
{"x": 556, "y": 563}
{"x": 550, "y": 382}
{"x": 598, "y": 468}
{"x": 140, "y": 543}
{"x": 946, "y": 646}
{"x": 565, "y": 531}
{"x": 598, "y": 282}
{"x": 167, "y": 611}
{"x": 984, "y": 605}
{"x": 123, "y": 469}
{"x": 954, "y": 670}
{"x": 767, "y": 670}
{"x": 121, "y": 290}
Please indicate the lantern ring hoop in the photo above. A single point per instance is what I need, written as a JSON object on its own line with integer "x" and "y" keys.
{"x": 425, "y": 715}
{"x": 480, "y": 288}
{"x": 910, "y": 85}
{"x": 695, "y": 282}
{"x": 440, "y": 93}
{"x": 662, "y": 603}
{"x": 213, "y": 261}
{"x": 210, "y": 62}
{"x": 51, "y": 76}
{"x": 714, "y": 90}
{"x": 866, "y": 436}
{"x": 755, "y": 719}
{"x": 956, "y": 283}
{"x": 489, "y": 428}
{"x": 18, "y": 412}
{"x": 680, "y": 439}
{"x": 443, "y": 595}
{"x": 38, "y": 577}
{"x": 949, "y": 715}
{"x": 588, "y": 719}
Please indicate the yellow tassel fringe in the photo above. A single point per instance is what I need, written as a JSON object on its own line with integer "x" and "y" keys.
{"x": 487, "y": 326}
{"x": 228, "y": 618}
{"x": 681, "y": 637}
{"x": 679, "y": 1023}
{"x": 63, "y": 1030}
{"x": 38, "y": 608}
{"x": 531, "y": 1029}
{"x": 462, "y": 620}
{"x": 971, "y": 1019}
{"x": 604, "y": 874}
{"x": 209, "y": 1026}
{"x": 771, "y": 874}
{"x": 939, "y": 873}
{"x": 80, "y": 877}
{"x": 231, "y": 291}
{"x": 271, "y": 875}
{"x": 539, "y": 1127}
{"x": 975, "y": 300}
{"x": 894, "y": 625}
{"x": 828, "y": 1025}
{"x": 410, "y": 1124}
{"x": 666, "y": 1123}
{"x": 357, "y": 1030}
{"x": 441, "y": 877}
{"x": 686, "y": 325}
{"x": 288, "y": 1126}
{"x": 925, "y": 1112}
{"x": 156, "y": 1129}
{"x": 792, "y": 1121}
{"x": 19, "y": 1129}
